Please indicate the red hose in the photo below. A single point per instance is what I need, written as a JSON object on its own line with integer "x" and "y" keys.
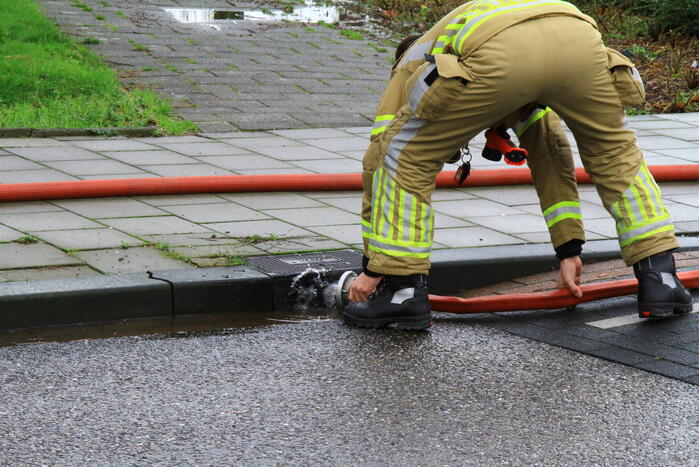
{"x": 353, "y": 181}
{"x": 276, "y": 182}
{"x": 560, "y": 298}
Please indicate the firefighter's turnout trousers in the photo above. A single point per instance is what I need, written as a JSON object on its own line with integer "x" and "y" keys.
{"x": 466, "y": 74}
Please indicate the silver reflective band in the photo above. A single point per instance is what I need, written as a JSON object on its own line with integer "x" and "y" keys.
{"x": 416, "y": 52}
{"x": 420, "y": 87}
{"x": 399, "y": 141}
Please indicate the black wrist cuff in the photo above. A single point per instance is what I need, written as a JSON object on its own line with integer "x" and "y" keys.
{"x": 365, "y": 268}
{"x": 569, "y": 249}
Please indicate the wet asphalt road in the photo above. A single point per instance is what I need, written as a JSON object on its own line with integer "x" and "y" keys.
{"x": 320, "y": 393}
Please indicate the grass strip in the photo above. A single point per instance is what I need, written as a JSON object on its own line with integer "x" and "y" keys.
{"x": 49, "y": 81}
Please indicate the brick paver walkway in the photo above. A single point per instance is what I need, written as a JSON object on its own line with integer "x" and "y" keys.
{"x": 243, "y": 76}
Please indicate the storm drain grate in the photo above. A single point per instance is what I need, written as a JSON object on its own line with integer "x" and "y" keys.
{"x": 295, "y": 264}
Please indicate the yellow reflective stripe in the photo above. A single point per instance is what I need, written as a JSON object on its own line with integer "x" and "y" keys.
{"x": 654, "y": 186}
{"x": 617, "y": 210}
{"x": 536, "y": 117}
{"x": 651, "y": 202}
{"x": 571, "y": 204}
{"x": 566, "y": 215}
{"x": 413, "y": 220}
{"x": 495, "y": 13}
{"x": 639, "y": 202}
{"x": 400, "y": 243}
{"x": 404, "y": 254}
{"x": 665, "y": 228}
{"x": 378, "y": 207}
{"x": 366, "y": 229}
{"x": 378, "y": 126}
{"x": 643, "y": 224}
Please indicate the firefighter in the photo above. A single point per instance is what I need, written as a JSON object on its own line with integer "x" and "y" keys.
{"x": 508, "y": 64}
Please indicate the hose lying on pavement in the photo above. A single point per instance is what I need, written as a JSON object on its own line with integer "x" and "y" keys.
{"x": 560, "y": 298}
{"x": 279, "y": 182}
{"x": 353, "y": 181}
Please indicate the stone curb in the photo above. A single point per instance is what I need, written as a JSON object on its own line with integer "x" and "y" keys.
{"x": 131, "y": 132}
{"x": 229, "y": 289}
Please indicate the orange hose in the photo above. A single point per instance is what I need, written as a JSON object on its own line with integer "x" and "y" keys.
{"x": 276, "y": 182}
{"x": 560, "y": 298}
{"x": 353, "y": 181}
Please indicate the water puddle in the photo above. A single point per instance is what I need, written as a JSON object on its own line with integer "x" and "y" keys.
{"x": 310, "y": 12}
{"x": 162, "y": 328}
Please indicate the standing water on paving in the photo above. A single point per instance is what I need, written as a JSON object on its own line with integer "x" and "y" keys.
{"x": 308, "y": 13}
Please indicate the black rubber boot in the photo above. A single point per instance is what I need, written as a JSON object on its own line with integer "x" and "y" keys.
{"x": 660, "y": 292}
{"x": 401, "y": 301}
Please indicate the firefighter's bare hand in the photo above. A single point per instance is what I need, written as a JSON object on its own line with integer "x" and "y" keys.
{"x": 362, "y": 287}
{"x": 571, "y": 270}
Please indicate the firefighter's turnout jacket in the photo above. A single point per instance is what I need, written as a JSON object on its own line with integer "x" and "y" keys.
{"x": 490, "y": 62}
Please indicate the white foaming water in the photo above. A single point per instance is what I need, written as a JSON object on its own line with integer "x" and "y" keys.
{"x": 304, "y": 293}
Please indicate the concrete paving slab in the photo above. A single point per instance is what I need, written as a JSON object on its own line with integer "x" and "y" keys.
{"x": 113, "y": 145}
{"x": 330, "y": 165}
{"x": 470, "y": 208}
{"x": 16, "y": 256}
{"x": 192, "y": 239}
{"x": 311, "y": 243}
{"x": 512, "y": 223}
{"x": 173, "y": 200}
{"x": 187, "y": 170}
{"x": 174, "y": 139}
{"x": 48, "y": 273}
{"x": 27, "y": 206}
{"x": 154, "y": 225}
{"x": 307, "y": 217}
{"x": 346, "y": 234}
{"x": 8, "y": 235}
{"x": 54, "y": 153}
{"x": 131, "y": 260}
{"x": 9, "y": 163}
{"x": 88, "y": 239}
{"x": 219, "y": 212}
{"x": 688, "y": 156}
{"x": 109, "y": 207}
{"x": 686, "y": 134}
{"x": 211, "y": 148}
{"x": 29, "y": 142}
{"x": 93, "y": 167}
{"x": 261, "y": 228}
{"x": 145, "y": 158}
{"x": 658, "y": 124}
{"x": 512, "y": 196}
{"x": 663, "y": 142}
{"x": 312, "y": 134}
{"x": 350, "y": 143}
{"x": 298, "y": 153}
{"x": 261, "y": 201}
{"x": 30, "y": 222}
{"x": 244, "y": 162}
{"x": 226, "y": 254}
{"x": 472, "y": 237}
{"x": 266, "y": 141}
{"x": 31, "y": 176}
{"x": 272, "y": 171}
{"x": 353, "y": 205}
